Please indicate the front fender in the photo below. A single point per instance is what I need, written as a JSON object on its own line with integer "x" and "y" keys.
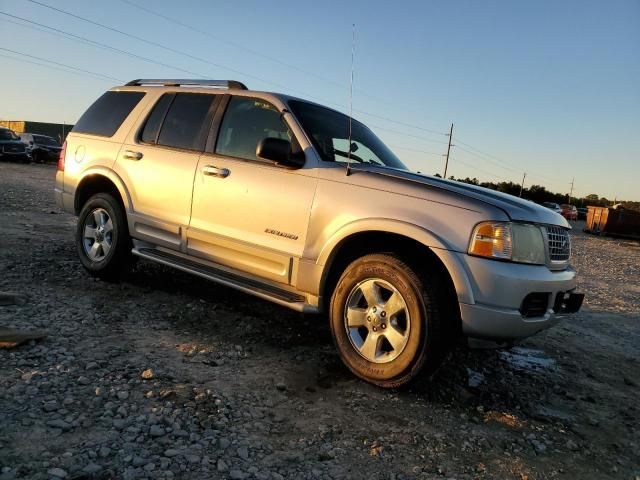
{"x": 313, "y": 274}
{"x": 386, "y": 225}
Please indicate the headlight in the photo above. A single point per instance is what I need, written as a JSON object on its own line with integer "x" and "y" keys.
{"x": 518, "y": 242}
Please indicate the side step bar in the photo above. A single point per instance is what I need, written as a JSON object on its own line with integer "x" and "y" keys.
{"x": 253, "y": 287}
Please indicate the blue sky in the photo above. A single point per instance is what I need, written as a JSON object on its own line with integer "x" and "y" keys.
{"x": 547, "y": 87}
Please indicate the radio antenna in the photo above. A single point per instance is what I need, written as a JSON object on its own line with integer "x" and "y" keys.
{"x": 353, "y": 49}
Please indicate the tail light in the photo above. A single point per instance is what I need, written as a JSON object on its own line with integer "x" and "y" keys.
{"x": 63, "y": 152}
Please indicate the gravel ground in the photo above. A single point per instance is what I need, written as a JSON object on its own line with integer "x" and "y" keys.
{"x": 168, "y": 376}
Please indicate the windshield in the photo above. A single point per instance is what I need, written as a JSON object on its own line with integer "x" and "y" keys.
{"x": 6, "y": 134}
{"x": 42, "y": 140}
{"x": 329, "y": 132}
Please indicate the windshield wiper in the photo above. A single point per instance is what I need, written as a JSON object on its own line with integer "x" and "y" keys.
{"x": 346, "y": 155}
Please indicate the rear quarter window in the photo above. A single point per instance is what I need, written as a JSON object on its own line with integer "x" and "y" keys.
{"x": 107, "y": 113}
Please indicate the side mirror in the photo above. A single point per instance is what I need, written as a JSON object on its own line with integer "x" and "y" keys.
{"x": 278, "y": 151}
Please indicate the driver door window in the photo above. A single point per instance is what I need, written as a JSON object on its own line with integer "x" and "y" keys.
{"x": 246, "y": 122}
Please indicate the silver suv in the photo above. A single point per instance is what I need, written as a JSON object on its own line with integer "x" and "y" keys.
{"x": 290, "y": 201}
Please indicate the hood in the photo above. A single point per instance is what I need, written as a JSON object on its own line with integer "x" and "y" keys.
{"x": 516, "y": 208}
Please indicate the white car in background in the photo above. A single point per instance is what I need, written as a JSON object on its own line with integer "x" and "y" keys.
{"x": 552, "y": 206}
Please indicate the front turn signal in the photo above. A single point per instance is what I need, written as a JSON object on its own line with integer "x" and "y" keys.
{"x": 491, "y": 239}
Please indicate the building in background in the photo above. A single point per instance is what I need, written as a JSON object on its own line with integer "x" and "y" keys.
{"x": 58, "y": 131}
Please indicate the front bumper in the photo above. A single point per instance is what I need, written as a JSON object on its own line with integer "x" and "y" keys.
{"x": 499, "y": 290}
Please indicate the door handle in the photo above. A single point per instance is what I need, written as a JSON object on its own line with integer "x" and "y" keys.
{"x": 131, "y": 155}
{"x": 213, "y": 171}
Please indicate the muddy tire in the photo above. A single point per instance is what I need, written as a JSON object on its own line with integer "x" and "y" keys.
{"x": 102, "y": 237}
{"x": 386, "y": 320}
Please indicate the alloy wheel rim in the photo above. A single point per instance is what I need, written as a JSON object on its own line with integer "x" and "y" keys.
{"x": 377, "y": 321}
{"x": 97, "y": 236}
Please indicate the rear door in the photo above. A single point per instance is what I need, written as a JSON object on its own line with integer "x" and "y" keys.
{"x": 249, "y": 214}
{"x": 158, "y": 165}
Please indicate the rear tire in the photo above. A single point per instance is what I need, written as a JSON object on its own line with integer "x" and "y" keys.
{"x": 386, "y": 320}
{"x": 102, "y": 237}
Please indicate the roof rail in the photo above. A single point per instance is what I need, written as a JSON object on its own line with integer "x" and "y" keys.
{"x": 170, "y": 82}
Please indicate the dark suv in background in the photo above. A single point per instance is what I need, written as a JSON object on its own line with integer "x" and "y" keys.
{"x": 11, "y": 147}
{"x": 41, "y": 147}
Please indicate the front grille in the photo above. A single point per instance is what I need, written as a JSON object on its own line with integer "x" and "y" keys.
{"x": 559, "y": 244}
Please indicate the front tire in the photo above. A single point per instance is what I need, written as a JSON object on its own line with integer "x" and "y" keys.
{"x": 386, "y": 320}
{"x": 102, "y": 237}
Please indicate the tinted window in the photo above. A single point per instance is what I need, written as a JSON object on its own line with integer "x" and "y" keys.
{"x": 187, "y": 122}
{"x": 152, "y": 125}
{"x": 245, "y": 123}
{"x": 107, "y": 113}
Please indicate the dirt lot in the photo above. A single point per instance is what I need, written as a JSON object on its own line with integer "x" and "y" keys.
{"x": 239, "y": 388}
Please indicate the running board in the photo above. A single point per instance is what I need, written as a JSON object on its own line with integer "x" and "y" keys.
{"x": 253, "y": 287}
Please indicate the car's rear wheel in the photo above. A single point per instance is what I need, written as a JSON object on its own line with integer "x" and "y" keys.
{"x": 102, "y": 237}
{"x": 385, "y": 320}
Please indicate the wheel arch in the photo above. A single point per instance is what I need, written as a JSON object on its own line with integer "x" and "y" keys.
{"x": 100, "y": 180}
{"x": 412, "y": 243}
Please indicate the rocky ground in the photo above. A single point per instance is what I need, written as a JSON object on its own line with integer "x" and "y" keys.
{"x": 168, "y": 376}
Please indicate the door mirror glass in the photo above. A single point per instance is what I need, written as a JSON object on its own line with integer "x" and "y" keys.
{"x": 278, "y": 150}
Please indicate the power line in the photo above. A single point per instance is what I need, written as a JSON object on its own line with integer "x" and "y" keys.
{"x": 229, "y": 42}
{"x": 155, "y": 44}
{"x": 398, "y": 132}
{"x": 204, "y": 60}
{"x": 250, "y": 50}
{"x": 401, "y": 123}
{"x": 95, "y": 76}
{"x": 106, "y": 77}
{"x": 415, "y": 150}
{"x": 494, "y": 159}
{"x": 485, "y": 158}
{"x": 474, "y": 167}
{"x": 71, "y": 36}
{"x": 483, "y": 153}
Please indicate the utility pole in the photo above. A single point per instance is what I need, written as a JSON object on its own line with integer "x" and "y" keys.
{"x": 446, "y": 164}
{"x": 522, "y": 185}
{"x": 571, "y": 191}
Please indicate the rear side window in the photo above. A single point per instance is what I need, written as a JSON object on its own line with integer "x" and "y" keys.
{"x": 105, "y": 116}
{"x": 187, "y": 122}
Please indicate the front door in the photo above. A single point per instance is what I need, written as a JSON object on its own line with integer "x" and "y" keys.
{"x": 249, "y": 214}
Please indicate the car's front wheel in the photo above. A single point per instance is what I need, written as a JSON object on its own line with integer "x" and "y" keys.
{"x": 102, "y": 237}
{"x": 386, "y": 320}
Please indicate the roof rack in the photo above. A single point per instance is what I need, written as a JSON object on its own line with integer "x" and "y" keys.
{"x": 230, "y": 84}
